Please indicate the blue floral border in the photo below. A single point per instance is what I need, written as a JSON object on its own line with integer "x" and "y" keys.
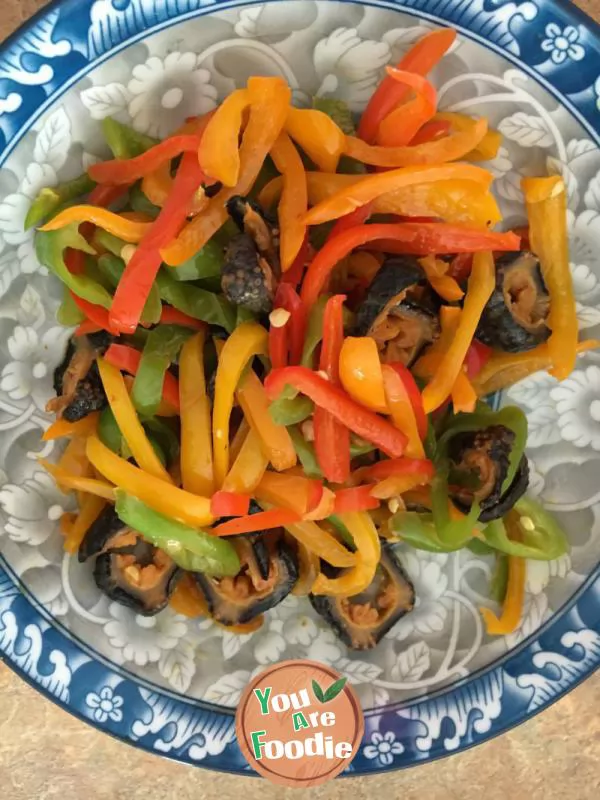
{"x": 37, "y": 64}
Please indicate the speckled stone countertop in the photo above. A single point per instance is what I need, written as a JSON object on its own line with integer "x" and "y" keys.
{"x": 45, "y": 753}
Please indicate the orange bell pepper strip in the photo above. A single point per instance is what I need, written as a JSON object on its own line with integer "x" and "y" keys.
{"x": 446, "y": 286}
{"x": 128, "y": 421}
{"x": 512, "y": 608}
{"x": 416, "y": 238}
{"x": 294, "y": 199}
{"x": 360, "y": 372}
{"x": 263, "y": 521}
{"x": 396, "y": 467}
{"x": 355, "y": 498}
{"x": 248, "y": 468}
{"x": 74, "y": 460}
{"x": 373, "y": 186}
{"x": 546, "y": 200}
{"x": 321, "y": 543}
{"x": 505, "y": 369}
{"x": 218, "y": 153}
{"x": 421, "y": 59}
{"x": 70, "y": 482}
{"x": 296, "y": 492}
{"x": 323, "y": 393}
{"x": 480, "y": 287}
{"x": 449, "y": 148}
{"x": 141, "y": 271}
{"x": 309, "y": 566}
{"x": 196, "y": 433}
{"x": 275, "y": 440}
{"x": 489, "y": 146}
{"x": 158, "y": 185}
{"x": 464, "y": 396}
{"x": 368, "y": 552}
{"x": 116, "y": 224}
{"x": 401, "y": 410}
{"x": 129, "y": 170}
{"x": 318, "y": 135}
{"x": 454, "y": 200}
{"x": 229, "y": 504}
{"x": 83, "y": 427}
{"x": 89, "y": 511}
{"x": 332, "y": 437}
{"x": 239, "y": 438}
{"x": 430, "y": 131}
{"x": 400, "y": 127}
{"x": 158, "y": 494}
{"x": 248, "y": 340}
{"x": 270, "y": 99}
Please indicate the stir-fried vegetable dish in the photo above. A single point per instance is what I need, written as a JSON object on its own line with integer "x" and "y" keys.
{"x": 290, "y": 329}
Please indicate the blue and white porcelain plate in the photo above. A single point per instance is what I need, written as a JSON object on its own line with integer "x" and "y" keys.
{"x": 170, "y": 685}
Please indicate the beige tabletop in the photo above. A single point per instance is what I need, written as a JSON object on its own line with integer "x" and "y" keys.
{"x": 46, "y": 753}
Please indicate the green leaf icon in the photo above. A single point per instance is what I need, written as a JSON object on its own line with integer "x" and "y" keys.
{"x": 334, "y": 689}
{"x": 318, "y": 692}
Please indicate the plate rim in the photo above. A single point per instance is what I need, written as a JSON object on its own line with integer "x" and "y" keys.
{"x": 214, "y": 735}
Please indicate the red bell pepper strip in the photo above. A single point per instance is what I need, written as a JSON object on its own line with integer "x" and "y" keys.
{"x": 278, "y": 344}
{"x": 407, "y": 237}
{"x": 294, "y": 274}
{"x": 128, "y": 360}
{"x": 397, "y": 466}
{"x": 461, "y": 266}
{"x": 229, "y": 504}
{"x": 431, "y": 131}
{"x": 173, "y": 316}
{"x": 75, "y": 261}
{"x": 359, "y": 216}
{"x": 332, "y": 438}
{"x": 288, "y": 298}
{"x": 414, "y": 395}
{"x": 421, "y": 58}
{"x": 324, "y": 394}
{"x": 401, "y": 125}
{"x": 86, "y": 327}
{"x": 477, "y": 357}
{"x": 96, "y": 314}
{"x": 356, "y": 498}
{"x": 265, "y": 520}
{"x": 105, "y": 195}
{"x": 127, "y": 170}
{"x": 140, "y": 273}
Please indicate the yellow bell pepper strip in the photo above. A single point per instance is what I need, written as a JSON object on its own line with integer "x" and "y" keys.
{"x": 432, "y": 359}
{"x": 360, "y": 420}
{"x": 454, "y": 200}
{"x": 512, "y": 608}
{"x": 368, "y": 552}
{"x": 128, "y": 421}
{"x": 401, "y": 409}
{"x": 69, "y": 482}
{"x": 360, "y": 372}
{"x": 194, "y": 408}
{"x": 83, "y": 427}
{"x": 321, "y": 543}
{"x": 360, "y": 192}
{"x": 248, "y": 340}
{"x": 449, "y": 148}
{"x": 308, "y": 568}
{"x": 296, "y": 492}
{"x": 488, "y": 147}
{"x": 324, "y": 507}
{"x": 270, "y": 99}
{"x": 129, "y": 170}
{"x": 416, "y": 238}
{"x": 397, "y": 485}
{"x": 89, "y": 511}
{"x": 400, "y": 127}
{"x": 294, "y": 199}
{"x": 447, "y": 287}
{"x": 505, "y": 369}
{"x": 74, "y": 460}
{"x": 248, "y": 468}
{"x": 546, "y": 200}
{"x": 158, "y": 494}
{"x": 318, "y": 135}
{"x": 158, "y": 185}
{"x": 116, "y": 224}
{"x": 421, "y": 59}
{"x": 479, "y": 290}
{"x": 218, "y": 153}
{"x": 275, "y": 440}
{"x": 238, "y": 439}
